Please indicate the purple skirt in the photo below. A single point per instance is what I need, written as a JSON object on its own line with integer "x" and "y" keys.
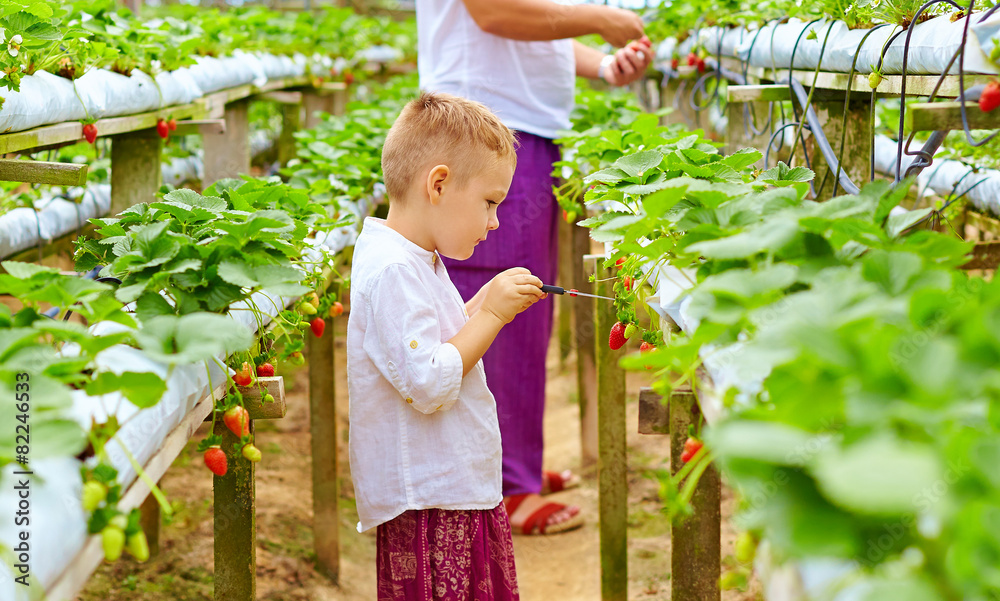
{"x": 446, "y": 555}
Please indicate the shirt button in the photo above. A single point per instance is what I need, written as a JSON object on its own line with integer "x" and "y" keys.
{"x": 434, "y": 259}
{"x": 413, "y": 344}
{"x": 409, "y": 400}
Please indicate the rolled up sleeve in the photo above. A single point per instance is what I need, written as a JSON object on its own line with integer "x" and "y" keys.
{"x": 426, "y": 371}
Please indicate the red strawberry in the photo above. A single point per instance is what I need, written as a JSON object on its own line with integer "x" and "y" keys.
{"x": 237, "y": 419}
{"x": 348, "y": 77}
{"x": 162, "y": 128}
{"x": 990, "y": 98}
{"x": 620, "y": 263}
{"x": 701, "y": 65}
{"x": 215, "y": 459}
{"x": 617, "y": 338}
{"x": 691, "y": 448}
{"x": 645, "y": 347}
{"x": 265, "y": 370}
{"x": 692, "y": 59}
{"x": 90, "y": 132}
{"x": 336, "y": 309}
{"x": 317, "y": 325}
{"x": 172, "y": 124}
{"x": 674, "y": 63}
{"x": 627, "y": 283}
{"x": 243, "y": 377}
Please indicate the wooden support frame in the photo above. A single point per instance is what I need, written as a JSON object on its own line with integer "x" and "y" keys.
{"x": 228, "y": 155}
{"x": 586, "y": 358}
{"x": 136, "y": 173}
{"x": 758, "y": 93}
{"x": 695, "y": 540}
{"x": 564, "y": 302}
{"x": 613, "y": 463}
{"x": 41, "y": 172}
{"x": 325, "y": 466}
{"x": 654, "y": 414}
{"x": 281, "y": 97}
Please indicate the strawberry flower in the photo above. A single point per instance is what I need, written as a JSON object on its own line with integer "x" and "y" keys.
{"x": 14, "y": 45}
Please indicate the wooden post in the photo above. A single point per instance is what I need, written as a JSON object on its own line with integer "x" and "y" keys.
{"x": 744, "y": 118}
{"x": 228, "y": 154}
{"x": 135, "y": 169}
{"x": 567, "y": 261}
{"x": 583, "y": 326}
{"x": 613, "y": 464}
{"x": 323, "y": 426}
{"x": 857, "y": 148}
{"x": 149, "y": 520}
{"x": 235, "y": 523}
{"x": 315, "y": 103}
{"x": 695, "y": 555}
{"x": 291, "y": 121}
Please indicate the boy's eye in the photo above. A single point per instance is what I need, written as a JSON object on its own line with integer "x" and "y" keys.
{"x": 491, "y": 202}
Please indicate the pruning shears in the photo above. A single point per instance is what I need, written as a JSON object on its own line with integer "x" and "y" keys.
{"x": 549, "y": 289}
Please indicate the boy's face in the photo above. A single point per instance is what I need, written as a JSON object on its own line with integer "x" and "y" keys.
{"x": 469, "y": 213}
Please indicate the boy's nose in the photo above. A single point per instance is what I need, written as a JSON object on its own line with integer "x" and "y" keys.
{"x": 494, "y": 223}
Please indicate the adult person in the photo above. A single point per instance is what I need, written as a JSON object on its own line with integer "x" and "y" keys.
{"x": 519, "y": 59}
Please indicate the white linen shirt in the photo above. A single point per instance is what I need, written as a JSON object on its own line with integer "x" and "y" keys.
{"x": 421, "y": 435}
{"x": 529, "y": 85}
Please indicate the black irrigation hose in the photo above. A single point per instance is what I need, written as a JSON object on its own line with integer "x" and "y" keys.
{"x": 843, "y": 124}
{"x": 906, "y": 53}
{"x": 961, "y": 86}
{"x": 799, "y": 92}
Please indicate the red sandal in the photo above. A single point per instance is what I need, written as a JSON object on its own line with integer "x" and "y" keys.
{"x": 538, "y": 520}
{"x": 553, "y": 482}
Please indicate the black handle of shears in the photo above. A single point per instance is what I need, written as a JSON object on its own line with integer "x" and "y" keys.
{"x": 549, "y": 289}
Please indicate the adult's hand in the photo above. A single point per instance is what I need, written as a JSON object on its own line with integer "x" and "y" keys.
{"x": 620, "y": 26}
{"x": 630, "y": 63}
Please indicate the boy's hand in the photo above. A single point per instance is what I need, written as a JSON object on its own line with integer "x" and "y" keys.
{"x": 511, "y": 292}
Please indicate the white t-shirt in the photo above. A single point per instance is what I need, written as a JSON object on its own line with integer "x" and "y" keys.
{"x": 529, "y": 85}
{"x": 421, "y": 435}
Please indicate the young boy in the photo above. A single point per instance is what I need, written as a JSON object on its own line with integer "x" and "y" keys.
{"x": 424, "y": 438}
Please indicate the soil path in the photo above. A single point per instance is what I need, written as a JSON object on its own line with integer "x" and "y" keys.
{"x": 564, "y": 567}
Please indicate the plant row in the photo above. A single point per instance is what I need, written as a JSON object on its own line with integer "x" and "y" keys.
{"x": 850, "y": 353}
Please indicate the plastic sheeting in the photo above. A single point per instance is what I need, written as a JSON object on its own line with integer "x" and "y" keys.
{"x": 22, "y": 228}
{"x": 945, "y": 177}
{"x": 45, "y": 98}
{"x": 932, "y": 45}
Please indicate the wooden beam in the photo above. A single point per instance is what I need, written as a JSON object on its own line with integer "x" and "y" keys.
{"x": 280, "y": 97}
{"x": 331, "y": 86}
{"x": 325, "y": 460}
{"x": 934, "y": 116}
{"x": 77, "y": 572}
{"x": 72, "y": 131}
{"x": 291, "y": 122}
{"x": 758, "y": 93}
{"x": 654, "y": 414}
{"x": 695, "y": 543}
{"x": 136, "y": 172}
{"x": 613, "y": 463}
{"x": 253, "y": 395}
{"x": 41, "y": 172}
{"x": 200, "y": 127}
{"x": 565, "y": 302}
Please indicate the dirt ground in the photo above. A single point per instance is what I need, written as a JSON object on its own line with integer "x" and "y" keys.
{"x": 564, "y": 567}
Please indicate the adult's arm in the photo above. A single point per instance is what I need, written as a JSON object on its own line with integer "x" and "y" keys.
{"x": 542, "y": 20}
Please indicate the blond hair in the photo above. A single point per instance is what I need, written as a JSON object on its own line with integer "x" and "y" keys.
{"x": 439, "y": 128}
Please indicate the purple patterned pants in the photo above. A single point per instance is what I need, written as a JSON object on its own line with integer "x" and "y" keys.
{"x": 515, "y": 363}
{"x": 446, "y": 555}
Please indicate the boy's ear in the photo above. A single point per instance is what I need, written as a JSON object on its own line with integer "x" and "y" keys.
{"x": 437, "y": 179}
